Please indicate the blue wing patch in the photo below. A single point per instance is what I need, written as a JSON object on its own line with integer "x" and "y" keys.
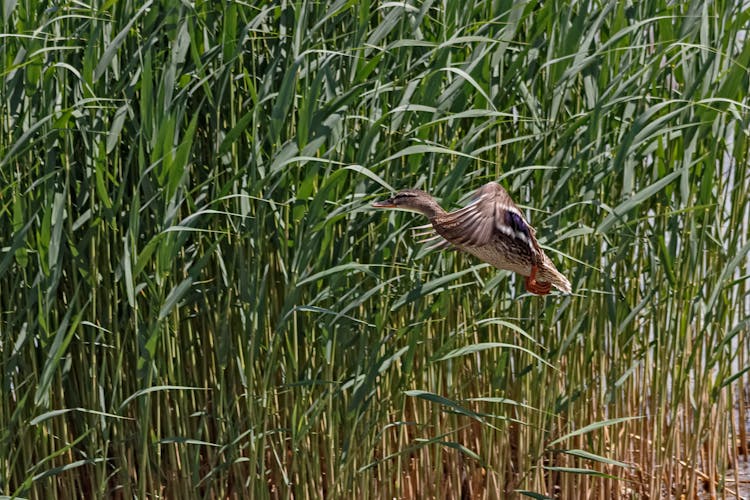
{"x": 517, "y": 224}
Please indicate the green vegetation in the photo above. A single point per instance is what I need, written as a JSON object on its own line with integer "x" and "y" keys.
{"x": 197, "y": 301}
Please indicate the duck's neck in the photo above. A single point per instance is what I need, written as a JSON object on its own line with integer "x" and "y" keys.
{"x": 429, "y": 208}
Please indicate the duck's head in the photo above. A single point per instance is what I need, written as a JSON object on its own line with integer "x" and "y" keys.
{"x": 413, "y": 200}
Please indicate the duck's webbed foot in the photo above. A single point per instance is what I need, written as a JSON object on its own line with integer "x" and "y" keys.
{"x": 537, "y": 287}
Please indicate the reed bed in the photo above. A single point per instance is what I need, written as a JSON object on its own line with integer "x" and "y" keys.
{"x": 197, "y": 300}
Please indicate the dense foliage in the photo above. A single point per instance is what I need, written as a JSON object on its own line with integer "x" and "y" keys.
{"x": 196, "y": 299}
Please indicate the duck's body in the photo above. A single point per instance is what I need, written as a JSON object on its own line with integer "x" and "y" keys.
{"x": 491, "y": 228}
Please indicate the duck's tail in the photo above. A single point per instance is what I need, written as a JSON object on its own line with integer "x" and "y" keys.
{"x": 548, "y": 272}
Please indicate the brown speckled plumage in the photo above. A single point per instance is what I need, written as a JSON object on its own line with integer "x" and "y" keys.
{"x": 490, "y": 227}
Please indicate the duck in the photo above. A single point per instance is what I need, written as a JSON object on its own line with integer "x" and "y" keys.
{"x": 491, "y": 227}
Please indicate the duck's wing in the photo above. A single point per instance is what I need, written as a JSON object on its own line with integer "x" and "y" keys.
{"x": 428, "y": 236}
{"x": 490, "y": 214}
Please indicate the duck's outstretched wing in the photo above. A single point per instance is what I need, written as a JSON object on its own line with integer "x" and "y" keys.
{"x": 428, "y": 236}
{"x": 491, "y": 214}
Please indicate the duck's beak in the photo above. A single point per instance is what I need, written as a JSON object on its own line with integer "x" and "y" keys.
{"x": 384, "y": 204}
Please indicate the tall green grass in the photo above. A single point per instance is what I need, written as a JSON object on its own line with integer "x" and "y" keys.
{"x": 196, "y": 299}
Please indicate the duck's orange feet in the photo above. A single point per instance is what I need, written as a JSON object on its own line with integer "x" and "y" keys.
{"x": 537, "y": 287}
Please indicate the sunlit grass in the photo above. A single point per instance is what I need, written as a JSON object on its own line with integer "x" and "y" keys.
{"x": 198, "y": 301}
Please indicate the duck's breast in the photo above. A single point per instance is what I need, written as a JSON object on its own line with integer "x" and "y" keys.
{"x": 502, "y": 258}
